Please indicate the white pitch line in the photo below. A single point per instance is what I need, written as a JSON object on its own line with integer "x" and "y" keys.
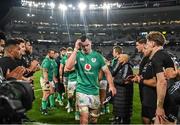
{"x": 37, "y": 90}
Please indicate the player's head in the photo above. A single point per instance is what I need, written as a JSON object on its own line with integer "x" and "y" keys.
{"x": 21, "y": 45}
{"x": 62, "y": 51}
{"x": 51, "y": 53}
{"x": 140, "y": 45}
{"x": 69, "y": 51}
{"x": 56, "y": 54}
{"x": 117, "y": 50}
{"x": 155, "y": 39}
{"x": 86, "y": 44}
{"x": 28, "y": 46}
{"x": 147, "y": 51}
{"x": 12, "y": 49}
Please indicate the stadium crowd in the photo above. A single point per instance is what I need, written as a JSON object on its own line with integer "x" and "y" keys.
{"x": 89, "y": 81}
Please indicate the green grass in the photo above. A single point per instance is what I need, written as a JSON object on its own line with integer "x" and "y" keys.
{"x": 60, "y": 116}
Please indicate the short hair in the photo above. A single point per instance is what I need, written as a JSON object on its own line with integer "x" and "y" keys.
{"x": 20, "y": 40}
{"x": 27, "y": 40}
{"x": 69, "y": 49}
{"x": 63, "y": 48}
{"x": 141, "y": 41}
{"x": 157, "y": 37}
{"x": 118, "y": 49}
{"x": 84, "y": 37}
{"x": 50, "y": 50}
{"x": 2, "y": 36}
{"x": 11, "y": 42}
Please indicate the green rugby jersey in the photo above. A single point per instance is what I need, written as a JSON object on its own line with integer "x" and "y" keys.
{"x": 63, "y": 61}
{"x": 114, "y": 60}
{"x": 72, "y": 75}
{"x": 88, "y": 67}
{"x": 47, "y": 64}
{"x": 55, "y": 65}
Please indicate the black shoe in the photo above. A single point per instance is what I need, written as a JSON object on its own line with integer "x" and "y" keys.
{"x": 44, "y": 112}
{"x": 26, "y": 119}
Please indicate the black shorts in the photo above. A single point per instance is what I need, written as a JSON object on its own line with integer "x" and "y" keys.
{"x": 59, "y": 87}
{"x": 148, "y": 112}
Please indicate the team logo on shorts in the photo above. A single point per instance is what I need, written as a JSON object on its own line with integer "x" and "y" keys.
{"x": 87, "y": 67}
{"x": 93, "y": 60}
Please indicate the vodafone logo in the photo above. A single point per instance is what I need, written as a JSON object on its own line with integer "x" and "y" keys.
{"x": 87, "y": 67}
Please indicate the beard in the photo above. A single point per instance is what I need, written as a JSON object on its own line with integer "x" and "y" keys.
{"x": 51, "y": 57}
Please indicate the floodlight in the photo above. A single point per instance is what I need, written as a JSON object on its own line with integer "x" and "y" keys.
{"x": 52, "y": 5}
{"x": 82, "y": 6}
{"x": 43, "y": 5}
{"x": 106, "y": 6}
{"x": 92, "y": 6}
{"x": 62, "y": 7}
{"x": 119, "y": 5}
{"x": 30, "y": 4}
{"x": 28, "y": 15}
{"x": 35, "y": 5}
{"x": 70, "y": 6}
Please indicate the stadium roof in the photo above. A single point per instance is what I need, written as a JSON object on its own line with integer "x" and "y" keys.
{"x": 95, "y": 17}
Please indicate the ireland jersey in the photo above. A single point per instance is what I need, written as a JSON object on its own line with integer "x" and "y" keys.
{"x": 55, "y": 66}
{"x": 88, "y": 67}
{"x": 63, "y": 61}
{"x": 72, "y": 75}
{"x": 114, "y": 60}
{"x": 47, "y": 64}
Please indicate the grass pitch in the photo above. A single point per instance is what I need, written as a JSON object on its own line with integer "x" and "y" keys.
{"x": 60, "y": 116}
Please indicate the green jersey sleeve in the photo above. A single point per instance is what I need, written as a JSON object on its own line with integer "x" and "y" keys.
{"x": 46, "y": 64}
{"x": 102, "y": 62}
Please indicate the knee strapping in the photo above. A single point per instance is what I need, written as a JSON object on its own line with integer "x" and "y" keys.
{"x": 84, "y": 109}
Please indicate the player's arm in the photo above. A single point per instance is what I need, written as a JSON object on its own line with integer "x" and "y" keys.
{"x": 161, "y": 90}
{"x": 61, "y": 71}
{"x": 109, "y": 79}
{"x": 100, "y": 75}
{"x": 54, "y": 76}
{"x": 150, "y": 82}
{"x": 68, "y": 70}
{"x": 45, "y": 74}
{"x": 71, "y": 60}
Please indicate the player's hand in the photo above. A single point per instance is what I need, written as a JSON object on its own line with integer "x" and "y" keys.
{"x": 160, "y": 116}
{"x": 78, "y": 44}
{"x": 112, "y": 89}
{"x": 17, "y": 73}
{"x": 136, "y": 79}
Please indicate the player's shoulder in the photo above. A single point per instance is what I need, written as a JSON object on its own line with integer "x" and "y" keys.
{"x": 3, "y": 59}
{"x": 46, "y": 60}
{"x": 96, "y": 53}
